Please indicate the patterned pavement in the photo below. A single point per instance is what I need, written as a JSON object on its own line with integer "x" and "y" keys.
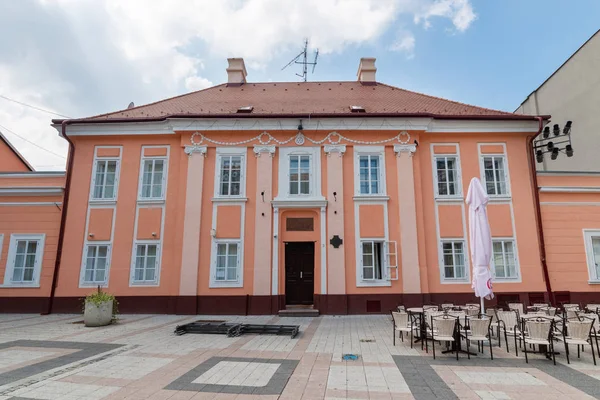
{"x": 56, "y": 357}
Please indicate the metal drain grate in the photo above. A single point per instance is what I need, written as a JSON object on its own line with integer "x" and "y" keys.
{"x": 350, "y": 357}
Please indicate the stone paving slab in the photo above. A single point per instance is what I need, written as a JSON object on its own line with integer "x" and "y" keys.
{"x": 141, "y": 358}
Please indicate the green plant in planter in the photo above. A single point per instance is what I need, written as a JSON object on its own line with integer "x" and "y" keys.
{"x": 99, "y": 297}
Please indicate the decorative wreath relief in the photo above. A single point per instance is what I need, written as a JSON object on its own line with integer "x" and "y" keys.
{"x": 299, "y": 139}
{"x": 403, "y": 137}
{"x": 194, "y": 136}
{"x": 261, "y": 137}
{"x": 332, "y": 135}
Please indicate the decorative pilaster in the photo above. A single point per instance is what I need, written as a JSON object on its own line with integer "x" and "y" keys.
{"x": 411, "y": 275}
{"x": 188, "y": 284}
{"x": 263, "y": 219}
{"x": 275, "y": 270}
{"x": 336, "y": 261}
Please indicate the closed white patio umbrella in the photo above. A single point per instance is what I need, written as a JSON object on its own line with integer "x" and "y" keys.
{"x": 480, "y": 239}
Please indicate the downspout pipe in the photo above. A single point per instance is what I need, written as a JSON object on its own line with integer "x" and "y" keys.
{"x": 538, "y": 210}
{"x": 63, "y": 217}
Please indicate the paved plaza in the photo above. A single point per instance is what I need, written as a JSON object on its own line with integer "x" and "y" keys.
{"x": 56, "y": 357}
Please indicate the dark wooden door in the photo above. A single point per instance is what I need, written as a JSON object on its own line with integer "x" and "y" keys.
{"x": 299, "y": 272}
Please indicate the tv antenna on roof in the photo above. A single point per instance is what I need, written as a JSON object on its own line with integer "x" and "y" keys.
{"x": 302, "y": 59}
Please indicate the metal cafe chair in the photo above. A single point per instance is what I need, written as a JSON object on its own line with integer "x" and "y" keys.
{"x": 538, "y": 331}
{"x": 443, "y": 329}
{"x": 403, "y": 324}
{"x": 479, "y": 330}
{"x": 579, "y": 333}
{"x": 508, "y": 323}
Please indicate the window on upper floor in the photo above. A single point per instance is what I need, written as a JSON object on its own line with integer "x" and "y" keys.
{"x": 495, "y": 175}
{"x": 300, "y": 174}
{"x": 592, "y": 249}
{"x": 231, "y": 176}
{"x": 153, "y": 179}
{"x": 96, "y": 264}
{"x": 24, "y": 261}
{"x": 447, "y": 176}
{"x": 369, "y": 170}
{"x": 453, "y": 258}
{"x": 146, "y": 263}
{"x": 504, "y": 260}
{"x": 104, "y": 179}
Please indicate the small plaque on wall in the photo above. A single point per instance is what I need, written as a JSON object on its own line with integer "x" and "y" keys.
{"x": 299, "y": 224}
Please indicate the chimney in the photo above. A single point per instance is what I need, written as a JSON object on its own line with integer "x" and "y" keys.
{"x": 236, "y": 72}
{"x": 366, "y": 71}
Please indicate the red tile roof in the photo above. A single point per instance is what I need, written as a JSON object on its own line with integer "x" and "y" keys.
{"x": 316, "y": 98}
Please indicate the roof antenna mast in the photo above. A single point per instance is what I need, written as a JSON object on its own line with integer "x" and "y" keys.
{"x": 302, "y": 59}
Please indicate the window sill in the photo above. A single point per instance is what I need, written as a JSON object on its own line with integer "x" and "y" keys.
{"x": 88, "y": 285}
{"x": 595, "y": 282}
{"x": 506, "y": 280}
{"x": 500, "y": 198}
{"x": 449, "y": 198}
{"x": 377, "y": 197}
{"x": 151, "y": 201}
{"x": 455, "y": 281}
{"x": 224, "y": 285}
{"x": 20, "y": 286}
{"x": 103, "y": 201}
{"x": 144, "y": 284}
{"x": 300, "y": 202}
{"x": 373, "y": 283}
{"x": 231, "y": 199}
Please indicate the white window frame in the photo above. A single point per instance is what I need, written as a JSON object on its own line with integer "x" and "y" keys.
{"x": 517, "y": 276}
{"x": 239, "y": 281}
{"x": 93, "y": 180}
{"x": 230, "y": 152}
{"x": 104, "y": 283}
{"x": 377, "y": 151}
{"x": 315, "y": 174}
{"x": 156, "y": 280}
{"x": 10, "y": 260}
{"x": 588, "y": 234}
{"x": 299, "y": 181}
{"x": 444, "y": 279}
{"x": 164, "y": 177}
{"x": 458, "y": 178}
{"x": 383, "y": 260}
{"x": 506, "y": 173}
{"x": 1, "y": 244}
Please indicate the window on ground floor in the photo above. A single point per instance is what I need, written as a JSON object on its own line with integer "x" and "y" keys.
{"x": 226, "y": 265}
{"x": 592, "y": 247}
{"x": 24, "y": 260}
{"x": 95, "y": 265}
{"x": 453, "y": 258}
{"x": 146, "y": 263}
{"x": 504, "y": 261}
{"x": 372, "y": 260}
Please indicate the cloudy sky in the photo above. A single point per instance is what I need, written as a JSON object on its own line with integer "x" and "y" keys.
{"x": 83, "y": 57}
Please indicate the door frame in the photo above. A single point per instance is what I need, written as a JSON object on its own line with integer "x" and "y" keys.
{"x": 314, "y": 254}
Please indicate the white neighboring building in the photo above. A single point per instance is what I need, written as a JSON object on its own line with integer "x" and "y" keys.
{"x": 572, "y": 92}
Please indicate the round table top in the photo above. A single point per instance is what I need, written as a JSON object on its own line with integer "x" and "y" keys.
{"x": 415, "y": 309}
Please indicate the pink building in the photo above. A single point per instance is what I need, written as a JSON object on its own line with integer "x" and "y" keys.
{"x": 343, "y": 197}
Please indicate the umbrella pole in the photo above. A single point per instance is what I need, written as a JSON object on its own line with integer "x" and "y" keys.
{"x": 482, "y": 310}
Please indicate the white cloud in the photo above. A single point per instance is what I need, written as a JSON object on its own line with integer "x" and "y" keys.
{"x": 84, "y": 57}
{"x": 405, "y": 43}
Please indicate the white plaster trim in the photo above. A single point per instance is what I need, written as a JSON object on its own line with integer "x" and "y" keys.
{"x": 569, "y": 189}
{"x": 159, "y": 250}
{"x": 189, "y": 150}
{"x": 459, "y": 183}
{"x": 378, "y": 151}
{"x": 264, "y": 148}
{"x": 213, "y": 283}
{"x": 32, "y": 203}
{"x": 230, "y": 152}
{"x": 173, "y": 125}
{"x": 300, "y": 203}
{"x": 566, "y": 203}
{"x": 314, "y": 152}
{"x": 37, "y": 174}
{"x": 31, "y": 191}
{"x": 409, "y": 149}
{"x": 10, "y": 259}
{"x": 323, "y": 217}
{"x": 275, "y": 266}
{"x": 514, "y": 279}
{"x": 481, "y": 156}
{"x": 365, "y": 198}
{"x": 1, "y": 244}
{"x": 467, "y": 255}
{"x": 334, "y": 148}
{"x": 109, "y": 243}
{"x": 234, "y": 200}
{"x": 165, "y": 177}
{"x": 385, "y": 281}
{"x": 117, "y": 172}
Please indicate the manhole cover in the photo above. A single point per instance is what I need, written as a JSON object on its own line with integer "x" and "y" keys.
{"x": 350, "y": 357}
{"x": 367, "y": 340}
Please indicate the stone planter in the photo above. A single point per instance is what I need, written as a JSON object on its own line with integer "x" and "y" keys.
{"x": 100, "y": 315}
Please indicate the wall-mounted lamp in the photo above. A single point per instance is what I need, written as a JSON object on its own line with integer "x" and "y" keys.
{"x": 263, "y": 195}
{"x": 213, "y": 232}
{"x": 91, "y": 235}
{"x": 552, "y": 144}
{"x": 334, "y": 196}
{"x": 153, "y": 234}
{"x": 300, "y": 127}
{"x": 416, "y": 143}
